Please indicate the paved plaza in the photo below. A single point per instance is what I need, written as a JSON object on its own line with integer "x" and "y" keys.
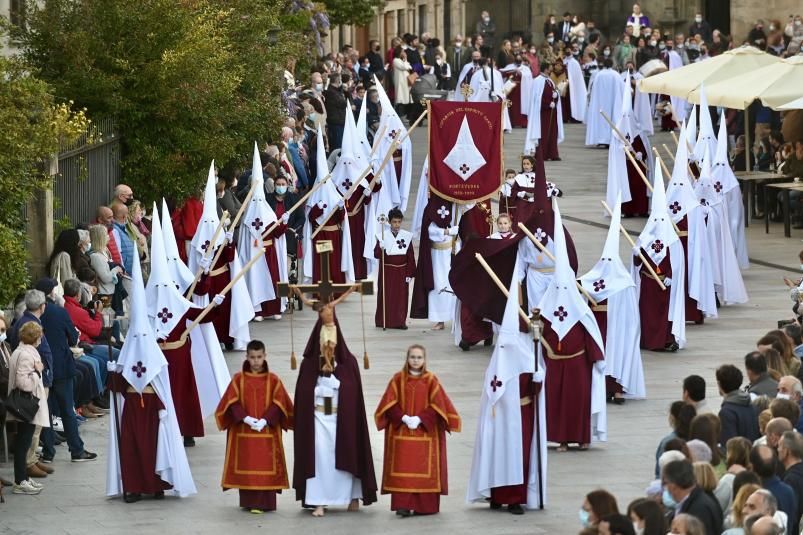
{"x": 73, "y": 500}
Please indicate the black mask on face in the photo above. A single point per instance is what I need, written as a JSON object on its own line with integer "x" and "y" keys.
{"x": 129, "y": 201}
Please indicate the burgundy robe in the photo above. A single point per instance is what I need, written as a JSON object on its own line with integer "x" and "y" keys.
{"x": 549, "y": 122}
{"x": 139, "y": 435}
{"x": 568, "y": 383}
{"x": 692, "y": 312}
{"x": 397, "y": 269}
{"x": 517, "y": 494}
{"x": 517, "y": 119}
{"x": 335, "y": 236}
{"x": 639, "y": 203}
{"x": 357, "y": 231}
{"x": 273, "y": 307}
{"x": 474, "y": 225}
{"x": 653, "y": 304}
{"x": 353, "y": 442}
{"x": 220, "y": 277}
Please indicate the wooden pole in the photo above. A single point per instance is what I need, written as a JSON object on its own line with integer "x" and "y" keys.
{"x": 499, "y": 284}
{"x": 633, "y": 244}
{"x": 669, "y": 152}
{"x": 629, "y": 150}
{"x": 240, "y": 213}
{"x": 552, "y": 257}
{"x": 300, "y": 202}
{"x": 377, "y": 138}
{"x": 215, "y": 236}
{"x": 665, "y": 168}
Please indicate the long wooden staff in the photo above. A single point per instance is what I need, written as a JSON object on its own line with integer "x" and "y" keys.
{"x": 552, "y": 257}
{"x": 293, "y": 208}
{"x": 234, "y": 223}
{"x": 499, "y": 284}
{"x": 629, "y": 150}
{"x": 215, "y": 236}
{"x": 665, "y": 168}
{"x": 382, "y": 220}
{"x": 669, "y": 152}
{"x": 633, "y": 244}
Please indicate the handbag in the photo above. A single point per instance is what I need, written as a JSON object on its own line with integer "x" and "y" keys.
{"x": 23, "y": 405}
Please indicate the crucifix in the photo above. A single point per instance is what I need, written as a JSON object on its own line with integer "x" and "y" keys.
{"x": 466, "y": 90}
{"x": 325, "y": 306}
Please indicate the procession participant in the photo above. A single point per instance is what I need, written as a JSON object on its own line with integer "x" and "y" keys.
{"x": 178, "y": 269}
{"x": 185, "y": 223}
{"x": 623, "y": 178}
{"x": 396, "y": 178}
{"x": 333, "y": 461}
{"x": 433, "y": 298}
{"x": 610, "y": 284}
{"x": 486, "y": 85}
{"x": 561, "y": 80}
{"x": 523, "y": 188}
{"x": 574, "y": 110}
{"x": 687, "y": 213}
{"x": 662, "y": 311}
{"x": 263, "y": 278}
{"x": 605, "y": 93}
{"x": 254, "y": 410}
{"x": 504, "y": 228}
{"x": 518, "y": 88}
{"x": 323, "y": 202}
{"x": 510, "y": 455}
{"x": 415, "y": 412}
{"x": 507, "y": 202}
{"x": 575, "y": 363}
{"x": 396, "y": 254}
{"x": 544, "y": 122}
{"x": 144, "y": 454}
{"x": 197, "y": 369}
{"x": 676, "y": 113}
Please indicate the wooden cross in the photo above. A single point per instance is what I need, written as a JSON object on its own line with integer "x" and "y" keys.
{"x": 326, "y": 289}
{"x": 466, "y": 90}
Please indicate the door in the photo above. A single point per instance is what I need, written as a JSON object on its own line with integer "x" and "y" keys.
{"x": 718, "y": 15}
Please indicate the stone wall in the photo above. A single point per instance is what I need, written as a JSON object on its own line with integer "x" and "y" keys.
{"x": 744, "y": 14}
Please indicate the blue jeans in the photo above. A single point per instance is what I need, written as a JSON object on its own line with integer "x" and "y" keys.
{"x": 62, "y": 394}
{"x": 96, "y": 367}
{"x": 100, "y": 352}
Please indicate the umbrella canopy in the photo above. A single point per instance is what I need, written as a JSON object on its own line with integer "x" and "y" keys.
{"x": 775, "y": 84}
{"x": 680, "y": 82}
{"x": 796, "y": 104}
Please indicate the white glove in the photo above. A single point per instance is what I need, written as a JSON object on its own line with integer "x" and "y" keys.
{"x": 330, "y": 382}
{"x": 600, "y": 366}
{"x": 285, "y": 218}
{"x": 229, "y": 236}
{"x": 163, "y": 414}
{"x": 218, "y": 299}
{"x": 538, "y": 377}
{"x": 382, "y": 245}
{"x": 341, "y": 203}
{"x": 406, "y": 420}
{"x": 111, "y": 366}
{"x": 413, "y": 422}
{"x": 639, "y": 156}
{"x": 520, "y": 195}
{"x": 453, "y": 231}
{"x": 551, "y": 104}
{"x": 320, "y": 204}
{"x": 667, "y": 282}
{"x": 636, "y": 250}
{"x": 260, "y": 425}
{"x": 250, "y": 421}
{"x": 206, "y": 263}
{"x": 407, "y": 280}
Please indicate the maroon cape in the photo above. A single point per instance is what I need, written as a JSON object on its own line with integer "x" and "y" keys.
{"x": 220, "y": 276}
{"x": 692, "y": 312}
{"x": 424, "y": 280}
{"x": 353, "y": 443}
{"x": 639, "y": 203}
{"x": 656, "y": 329}
{"x": 549, "y": 121}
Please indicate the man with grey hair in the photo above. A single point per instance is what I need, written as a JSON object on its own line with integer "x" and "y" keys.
{"x": 790, "y": 387}
{"x": 122, "y": 195}
{"x": 775, "y": 428}
{"x": 762, "y": 503}
{"x": 762, "y": 525}
{"x": 790, "y": 453}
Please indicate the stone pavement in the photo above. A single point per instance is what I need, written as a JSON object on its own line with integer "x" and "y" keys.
{"x": 73, "y": 500}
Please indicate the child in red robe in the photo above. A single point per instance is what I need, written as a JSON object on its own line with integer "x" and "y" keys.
{"x": 254, "y": 410}
{"x": 415, "y": 413}
{"x": 394, "y": 249}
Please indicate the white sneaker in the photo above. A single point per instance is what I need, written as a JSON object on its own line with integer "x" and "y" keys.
{"x": 35, "y": 484}
{"x": 277, "y": 317}
{"x": 26, "y": 488}
{"x": 258, "y": 318}
{"x": 58, "y": 425}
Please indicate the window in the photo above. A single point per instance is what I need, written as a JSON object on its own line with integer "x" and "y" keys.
{"x": 16, "y": 12}
{"x": 422, "y": 19}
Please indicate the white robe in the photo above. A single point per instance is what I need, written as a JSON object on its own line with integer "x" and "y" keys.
{"x": 678, "y": 104}
{"x": 208, "y": 363}
{"x": 533, "y": 136}
{"x": 578, "y": 94}
{"x": 329, "y": 486}
{"x": 241, "y": 310}
{"x": 537, "y": 267}
{"x": 605, "y": 95}
{"x": 441, "y": 299}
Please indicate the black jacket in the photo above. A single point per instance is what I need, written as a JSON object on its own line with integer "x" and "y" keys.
{"x": 738, "y": 418}
{"x": 705, "y": 508}
{"x": 336, "y": 105}
{"x": 296, "y": 222}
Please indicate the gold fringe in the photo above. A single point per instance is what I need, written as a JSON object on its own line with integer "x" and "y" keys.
{"x": 366, "y": 364}
{"x": 293, "y": 362}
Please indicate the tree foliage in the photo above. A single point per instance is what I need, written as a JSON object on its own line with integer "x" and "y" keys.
{"x": 357, "y": 12}
{"x": 33, "y": 127}
{"x": 186, "y": 81}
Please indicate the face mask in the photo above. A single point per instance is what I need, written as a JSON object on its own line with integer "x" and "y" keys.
{"x": 581, "y": 39}
{"x": 584, "y": 520}
{"x": 797, "y": 23}
{"x": 783, "y": 396}
{"x": 319, "y": 87}
{"x": 550, "y": 40}
{"x": 680, "y": 45}
{"x": 668, "y": 501}
{"x": 638, "y": 530}
{"x": 281, "y": 190}
{"x": 801, "y": 265}
{"x": 2, "y": 337}
{"x": 552, "y": 21}
{"x": 486, "y": 19}
{"x": 312, "y": 116}
{"x": 698, "y": 20}
{"x": 366, "y": 66}
{"x": 653, "y": 43}
{"x": 772, "y": 27}
{"x": 606, "y": 53}
{"x": 458, "y": 44}
{"x": 661, "y": 46}
{"x": 129, "y": 201}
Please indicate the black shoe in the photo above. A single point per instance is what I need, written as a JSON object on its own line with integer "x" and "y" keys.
{"x": 84, "y": 456}
{"x": 465, "y": 346}
{"x": 131, "y": 497}
{"x": 515, "y": 509}
{"x": 404, "y": 513}
{"x": 189, "y": 442}
{"x": 403, "y": 327}
{"x": 101, "y": 403}
{"x": 229, "y": 346}
{"x": 159, "y": 495}
{"x": 496, "y": 506}
{"x": 618, "y": 401}
{"x": 488, "y": 341}
{"x": 671, "y": 347}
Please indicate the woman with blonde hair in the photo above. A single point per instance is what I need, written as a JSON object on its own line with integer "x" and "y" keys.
{"x": 737, "y": 459}
{"x": 735, "y": 521}
{"x": 100, "y": 258}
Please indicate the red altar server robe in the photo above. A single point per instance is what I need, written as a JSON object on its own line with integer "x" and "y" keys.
{"x": 399, "y": 265}
{"x": 414, "y": 471}
{"x": 255, "y": 461}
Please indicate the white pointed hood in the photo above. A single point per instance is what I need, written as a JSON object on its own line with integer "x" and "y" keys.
{"x": 258, "y": 214}
{"x": 680, "y": 196}
{"x": 389, "y": 117}
{"x": 395, "y": 186}
{"x": 362, "y": 129}
{"x": 691, "y": 132}
{"x": 209, "y": 219}
{"x": 710, "y": 191}
{"x": 609, "y": 275}
{"x": 658, "y": 233}
{"x": 626, "y": 123}
{"x": 706, "y": 137}
{"x": 720, "y": 166}
{"x": 562, "y": 303}
{"x": 352, "y": 162}
{"x": 179, "y": 272}
{"x": 141, "y": 359}
{"x": 166, "y": 306}
{"x": 326, "y": 194}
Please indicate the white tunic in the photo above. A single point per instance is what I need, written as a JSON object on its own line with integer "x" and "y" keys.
{"x": 330, "y": 486}
{"x": 606, "y": 95}
{"x": 441, "y": 300}
{"x": 537, "y": 267}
